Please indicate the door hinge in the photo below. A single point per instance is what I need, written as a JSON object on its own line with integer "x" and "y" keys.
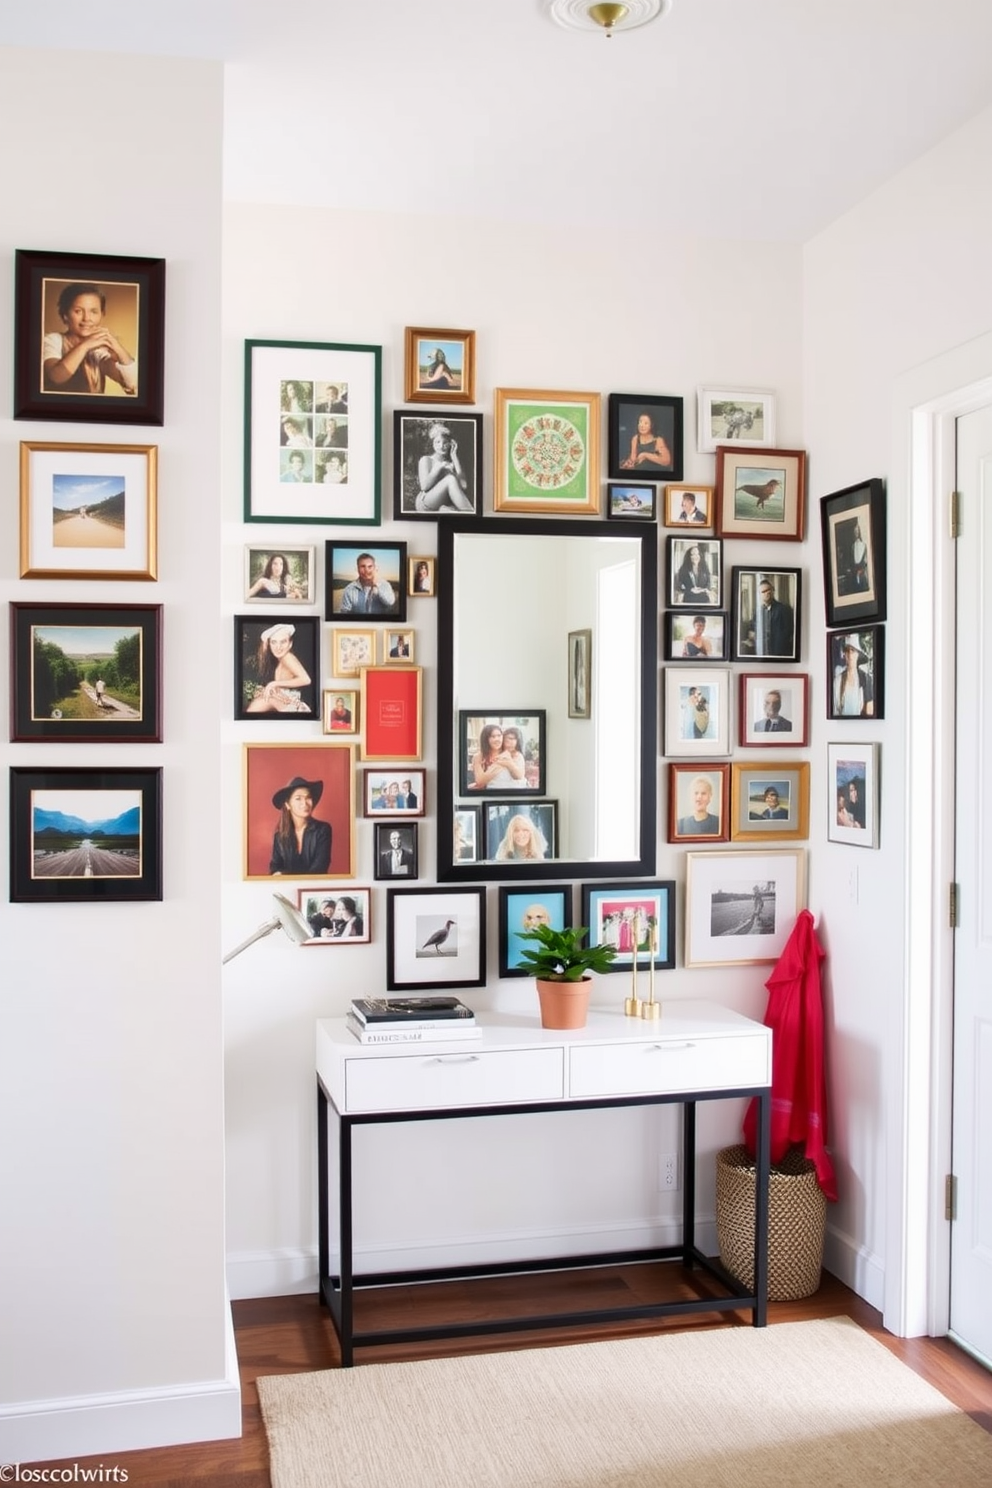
{"x": 950, "y": 1197}
{"x": 953, "y": 907}
{"x": 954, "y": 514}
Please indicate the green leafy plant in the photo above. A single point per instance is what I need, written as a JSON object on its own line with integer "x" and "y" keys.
{"x": 559, "y": 955}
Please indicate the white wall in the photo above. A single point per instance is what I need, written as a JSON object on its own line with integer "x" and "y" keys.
{"x": 554, "y": 310}
{"x": 112, "y": 1303}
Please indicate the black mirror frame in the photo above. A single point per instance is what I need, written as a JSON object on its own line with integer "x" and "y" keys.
{"x": 643, "y": 865}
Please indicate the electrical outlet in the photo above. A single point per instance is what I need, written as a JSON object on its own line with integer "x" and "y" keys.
{"x": 668, "y": 1172}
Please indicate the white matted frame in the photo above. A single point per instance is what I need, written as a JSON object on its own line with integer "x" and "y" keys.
{"x": 435, "y": 938}
{"x": 347, "y": 920}
{"x": 88, "y": 511}
{"x": 697, "y": 711}
{"x": 852, "y": 794}
{"x": 267, "y": 581}
{"x": 774, "y": 710}
{"x": 740, "y": 907}
{"x": 734, "y": 415}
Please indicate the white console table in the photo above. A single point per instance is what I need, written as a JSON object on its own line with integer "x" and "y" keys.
{"x": 696, "y": 1051}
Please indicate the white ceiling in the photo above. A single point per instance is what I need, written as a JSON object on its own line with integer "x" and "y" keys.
{"x": 737, "y": 118}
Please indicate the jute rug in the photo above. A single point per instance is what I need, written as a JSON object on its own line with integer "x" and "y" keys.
{"x": 801, "y": 1405}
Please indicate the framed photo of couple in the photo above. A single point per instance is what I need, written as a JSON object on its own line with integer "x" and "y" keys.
{"x": 853, "y": 794}
{"x": 697, "y": 711}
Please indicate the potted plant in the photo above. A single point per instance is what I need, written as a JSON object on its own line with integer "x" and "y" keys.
{"x": 562, "y": 967}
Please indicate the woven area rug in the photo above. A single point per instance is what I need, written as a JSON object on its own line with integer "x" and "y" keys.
{"x": 801, "y": 1405}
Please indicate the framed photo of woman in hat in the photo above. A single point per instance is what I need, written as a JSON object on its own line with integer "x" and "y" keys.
{"x": 276, "y": 667}
{"x": 299, "y": 811}
{"x": 854, "y": 673}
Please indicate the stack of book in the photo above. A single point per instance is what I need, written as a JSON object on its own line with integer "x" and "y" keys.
{"x": 411, "y": 1020}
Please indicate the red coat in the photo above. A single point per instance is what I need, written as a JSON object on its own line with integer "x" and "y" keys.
{"x": 795, "y": 1016}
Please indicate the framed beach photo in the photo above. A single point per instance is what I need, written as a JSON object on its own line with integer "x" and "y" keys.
{"x": 625, "y": 503}
{"x": 396, "y": 851}
{"x": 82, "y": 672}
{"x": 299, "y": 811}
{"x": 502, "y": 752}
{"x": 466, "y": 827}
{"x": 524, "y": 909}
{"x": 85, "y": 836}
{"x": 392, "y": 712}
{"x": 276, "y": 667}
{"x": 546, "y": 452}
{"x": 520, "y": 831}
{"x": 690, "y": 506}
{"x": 697, "y": 710}
{"x": 580, "y": 673}
{"x": 645, "y": 437}
{"x": 852, "y": 794}
{"x": 761, "y": 495}
{"x": 856, "y": 673}
{"x": 740, "y": 907}
{"x": 629, "y": 917}
{"x": 689, "y": 637}
{"x": 852, "y": 525}
{"x": 340, "y": 712}
{"x": 89, "y": 511}
{"x": 312, "y": 432}
{"x": 767, "y": 611}
{"x": 421, "y": 576}
{"x": 732, "y": 415}
{"x": 351, "y": 650}
{"x": 279, "y": 576}
{"x": 437, "y": 465}
{"x": 397, "y": 647}
{"x": 435, "y": 938}
{"x": 698, "y": 803}
{"x": 774, "y": 710}
{"x": 394, "y": 792}
{"x": 695, "y": 572}
{"x": 439, "y": 366}
{"x": 769, "y": 801}
{"x": 336, "y": 919}
{"x": 89, "y": 338}
{"x": 364, "y": 582}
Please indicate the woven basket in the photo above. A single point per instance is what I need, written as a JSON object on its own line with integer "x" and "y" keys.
{"x": 797, "y": 1219}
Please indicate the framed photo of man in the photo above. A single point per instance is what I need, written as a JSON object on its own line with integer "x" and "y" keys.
{"x": 852, "y": 525}
{"x": 689, "y": 506}
{"x": 697, "y": 803}
{"x": 524, "y": 909}
{"x": 769, "y": 801}
{"x": 766, "y": 613}
{"x": 774, "y": 710}
{"x": 396, "y": 854}
{"x": 364, "y": 584}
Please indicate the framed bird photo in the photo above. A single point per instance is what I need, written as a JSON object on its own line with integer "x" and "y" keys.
{"x": 435, "y": 938}
{"x": 760, "y": 493}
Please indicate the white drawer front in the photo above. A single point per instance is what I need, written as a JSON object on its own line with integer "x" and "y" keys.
{"x": 453, "y": 1077}
{"x": 669, "y": 1065}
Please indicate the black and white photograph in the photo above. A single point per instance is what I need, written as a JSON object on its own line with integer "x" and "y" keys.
{"x": 741, "y": 906}
{"x": 437, "y": 465}
{"x": 395, "y": 850}
{"x": 766, "y": 613}
{"x": 435, "y": 938}
{"x": 853, "y": 534}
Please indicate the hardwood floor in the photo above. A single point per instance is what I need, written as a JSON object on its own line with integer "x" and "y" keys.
{"x": 286, "y": 1335}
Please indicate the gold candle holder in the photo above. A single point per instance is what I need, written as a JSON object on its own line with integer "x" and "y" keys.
{"x": 651, "y": 1009}
{"x": 633, "y": 1005}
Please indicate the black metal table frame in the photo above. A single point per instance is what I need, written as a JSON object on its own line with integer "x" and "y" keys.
{"x": 338, "y": 1292}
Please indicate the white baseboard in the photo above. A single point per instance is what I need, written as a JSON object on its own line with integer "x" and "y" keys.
{"x": 126, "y": 1420}
{"x": 855, "y": 1266}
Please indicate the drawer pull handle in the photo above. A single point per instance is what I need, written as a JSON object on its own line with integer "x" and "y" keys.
{"x": 454, "y": 1059}
{"x": 661, "y": 1047}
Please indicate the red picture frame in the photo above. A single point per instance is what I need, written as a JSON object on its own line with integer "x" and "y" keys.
{"x": 392, "y": 712}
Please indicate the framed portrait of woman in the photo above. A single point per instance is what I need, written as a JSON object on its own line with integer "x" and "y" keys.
{"x": 853, "y": 532}
{"x": 645, "y": 437}
{"x": 502, "y": 752}
{"x": 437, "y": 465}
{"x": 276, "y": 668}
{"x": 695, "y": 572}
{"x": 299, "y": 811}
{"x": 283, "y": 575}
{"x": 521, "y": 832}
{"x": 855, "y": 673}
{"x": 439, "y": 365}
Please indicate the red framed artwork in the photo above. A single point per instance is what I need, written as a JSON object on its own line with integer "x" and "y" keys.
{"x": 392, "y": 712}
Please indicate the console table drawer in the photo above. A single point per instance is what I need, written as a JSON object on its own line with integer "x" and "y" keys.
{"x": 453, "y": 1077}
{"x": 664, "y": 1065}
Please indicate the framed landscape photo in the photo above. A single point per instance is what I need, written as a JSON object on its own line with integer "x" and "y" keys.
{"x": 466, "y": 834}
{"x": 89, "y": 338}
{"x": 689, "y": 506}
{"x": 351, "y": 650}
{"x": 625, "y": 503}
{"x": 364, "y": 582}
{"x": 625, "y": 915}
{"x": 421, "y": 576}
{"x": 435, "y": 938}
{"x": 774, "y": 710}
{"x": 852, "y": 525}
{"x": 89, "y": 511}
{"x": 645, "y": 437}
{"x": 761, "y": 495}
{"x": 697, "y": 711}
{"x": 580, "y": 673}
{"x": 852, "y": 794}
{"x": 547, "y": 452}
{"x": 394, "y": 792}
{"x": 520, "y": 831}
{"x": 396, "y": 851}
{"x": 299, "y": 811}
{"x": 437, "y": 465}
{"x": 769, "y": 801}
{"x": 276, "y": 667}
{"x": 856, "y": 673}
{"x": 699, "y": 638}
{"x": 392, "y": 712}
{"x": 740, "y": 907}
{"x": 340, "y": 713}
{"x": 695, "y": 572}
{"x": 312, "y": 432}
{"x": 767, "y": 610}
{"x": 85, "y": 836}
{"x": 336, "y": 919}
{"x": 439, "y": 366}
{"x": 279, "y": 576}
{"x": 82, "y": 672}
{"x": 730, "y": 415}
{"x": 698, "y": 803}
{"x": 524, "y": 909}
{"x": 502, "y": 752}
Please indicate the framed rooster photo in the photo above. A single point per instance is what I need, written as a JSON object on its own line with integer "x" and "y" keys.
{"x": 760, "y": 493}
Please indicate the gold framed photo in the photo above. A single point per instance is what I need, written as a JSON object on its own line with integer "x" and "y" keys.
{"x": 88, "y": 511}
{"x": 769, "y": 801}
{"x": 440, "y": 366}
{"x": 547, "y": 452}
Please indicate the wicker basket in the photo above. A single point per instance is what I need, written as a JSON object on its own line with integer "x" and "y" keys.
{"x": 797, "y": 1219}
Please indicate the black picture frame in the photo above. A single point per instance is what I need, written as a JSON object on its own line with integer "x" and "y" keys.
{"x": 421, "y": 950}
{"x": 60, "y": 821}
{"x": 341, "y": 581}
{"x": 522, "y": 909}
{"x": 773, "y": 637}
{"x": 854, "y": 581}
{"x": 131, "y": 293}
{"x": 665, "y": 413}
{"x": 530, "y": 724}
{"x": 466, "y": 833}
{"x": 108, "y": 656}
{"x": 499, "y": 818}
{"x": 684, "y": 639}
{"x": 866, "y": 697}
{"x": 407, "y": 845}
{"x": 255, "y": 637}
{"x": 413, "y": 441}
{"x": 700, "y": 588}
{"x": 601, "y": 901}
{"x": 629, "y": 501}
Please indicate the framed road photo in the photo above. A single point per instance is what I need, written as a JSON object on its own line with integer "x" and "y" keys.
{"x": 580, "y": 673}
{"x": 85, "y": 836}
{"x": 547, "y": 452}
{"x": 312, "y": 432}
{"x": 88, "y": 511}
{"x": 439, "y": 366}
{"x": 520, "y": 831}
{"x": 394, "y": 792}
{"x": 392, "y": 712}
{"x": 523, "y": 909}
{"x": 689, "y": 637}
{"x": 645, "y": 437}
{"x": 732, "y": 416}
{"x": 299, "y": 811}
{"x": 340, "y": 713}
{"x": 336, "y": 919}
{"x": 774, "y": 710}
{"x": 626, "y": 503}
{"x": 364, "y": 582}
{"x": 761, "y": 494}
{"x": 852, "y": 794}
{"x": 852, "y": 525}
{"x": 624, "y": 915}
{"x": 276, "y": 668}
{"x": 435, "y": 938}
{"x": 279, "y": 576}
{"x": 697, "y": 711}
{"x": 769, "y": 801}
{"x": 689, "y": 506}
{"x": 396, "y": 851}
{"x": 698, "y": 802}
{"x": 767, "y": 609}
{"x": 89, "y": 338}
{"x": 695, "y": 572}
{"x": 502, "y": 752}
{"x": 740, "y": 907}
{"x": 88, "y": 672}
{"x": 856, "y": 673}
{"x": 437, "y": 465}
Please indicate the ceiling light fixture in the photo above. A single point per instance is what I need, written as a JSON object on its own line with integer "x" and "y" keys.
{"x": 579, "y": 15}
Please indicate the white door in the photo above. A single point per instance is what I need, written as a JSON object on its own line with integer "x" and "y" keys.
{"x": 971, "y": 1230}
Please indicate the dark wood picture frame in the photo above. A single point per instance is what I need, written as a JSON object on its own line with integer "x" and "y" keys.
{"x": 258, "y": 698}
{"x": 131, "y": 294}
{"x": 445, "y": 374}
{"x": 522, "y": 909}
{"x": 760, "y": 493}
{"x": 684, "y": 823}
{"x": 638, "y": 461}
{"x": 852, "y": 529}
{"x": 407, "y": 845}
{"x": 783, "y": 723}
{"x": 449, "y": 476}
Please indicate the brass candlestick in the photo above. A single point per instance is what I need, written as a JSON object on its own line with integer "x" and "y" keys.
{"x": 652, "y": 1009}
{"x": 633, "y": 1007}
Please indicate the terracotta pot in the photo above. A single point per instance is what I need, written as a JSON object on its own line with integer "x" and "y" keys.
{"x": 564, "y": 1004}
